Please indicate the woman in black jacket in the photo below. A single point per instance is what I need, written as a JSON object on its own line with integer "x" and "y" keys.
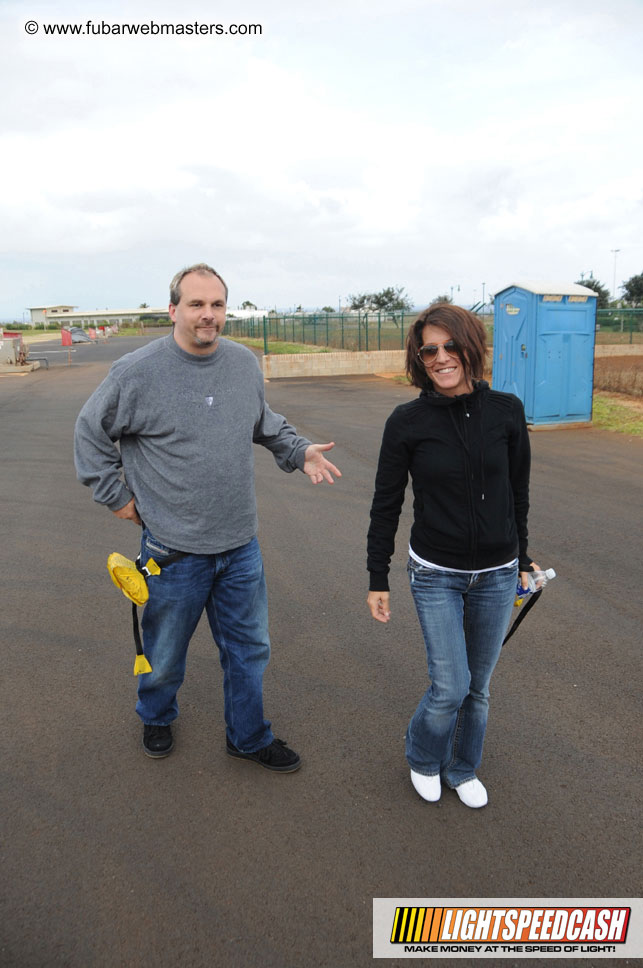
{"x": 467, "y": 450}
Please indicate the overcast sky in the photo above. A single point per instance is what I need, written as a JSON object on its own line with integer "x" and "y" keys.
{"x": 353, "y": 145}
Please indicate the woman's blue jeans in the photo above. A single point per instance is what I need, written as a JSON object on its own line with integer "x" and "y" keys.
{"x": 231, "y": 587}
{"x": 464, "y": 617}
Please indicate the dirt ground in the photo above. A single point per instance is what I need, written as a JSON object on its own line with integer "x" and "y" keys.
{"x": 621, "y": 363}
{"x": 621, "y": 376}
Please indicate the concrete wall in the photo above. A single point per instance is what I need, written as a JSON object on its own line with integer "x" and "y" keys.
{"x": 616, "y": 349}
{"x": 333, "y": 364}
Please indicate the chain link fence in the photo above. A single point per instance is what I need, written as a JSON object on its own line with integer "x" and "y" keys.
{"x": 619, "y": 326}
{"x": 387, "y": 331}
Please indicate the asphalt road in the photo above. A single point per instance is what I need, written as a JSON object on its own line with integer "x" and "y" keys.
{"x": 113, "y": 859}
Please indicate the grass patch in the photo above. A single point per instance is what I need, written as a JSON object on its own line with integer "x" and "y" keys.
{"x": 610, "y": 413}
{"x": 257, "y": 344}
{"x": 40, "y": 337}
{"x": 277, "y": 347}
{"x": 607, "y": 337}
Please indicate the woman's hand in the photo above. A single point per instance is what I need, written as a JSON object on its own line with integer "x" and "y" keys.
{"x": 379, "y": 602}
{"x": 523, "y": 575}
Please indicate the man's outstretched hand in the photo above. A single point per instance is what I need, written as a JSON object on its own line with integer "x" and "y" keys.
{"x": 317, "y": 467}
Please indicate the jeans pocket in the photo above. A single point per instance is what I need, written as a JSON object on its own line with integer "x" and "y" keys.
{"x": 418, "y": 569}
{"x": 421, "y": 576}
{"x": 152, "y": 548}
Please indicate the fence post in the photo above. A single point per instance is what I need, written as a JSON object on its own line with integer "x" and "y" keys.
{"x": 379, "y": 330}
{"x": 265, "y": 338}
{"x": 342, "y": 319}
{"x": 359, "y": 330}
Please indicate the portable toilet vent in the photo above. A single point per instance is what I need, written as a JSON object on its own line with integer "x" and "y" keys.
{"x": 543, "y": 349}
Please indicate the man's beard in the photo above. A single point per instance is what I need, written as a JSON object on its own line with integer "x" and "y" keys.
{"x": 211, "y": 341}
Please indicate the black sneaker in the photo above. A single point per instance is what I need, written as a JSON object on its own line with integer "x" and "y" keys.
{"x": 157, "y": 740}
{"x": 277, "y": 756}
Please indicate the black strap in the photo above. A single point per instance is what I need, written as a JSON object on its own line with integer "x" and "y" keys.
{"x": 143, "y": 571}
{"x": 137, "y": 634}
{"x": 533, "y": 598}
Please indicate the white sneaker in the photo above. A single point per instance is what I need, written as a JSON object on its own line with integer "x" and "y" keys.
{"x": 429, "y": 787}
{"x": 472, "y": 793}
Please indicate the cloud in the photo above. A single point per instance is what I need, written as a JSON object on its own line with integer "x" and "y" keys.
{"x": 351, "y": 146}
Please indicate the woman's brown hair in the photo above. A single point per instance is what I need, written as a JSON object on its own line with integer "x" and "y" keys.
{"x": 467, "y": 332}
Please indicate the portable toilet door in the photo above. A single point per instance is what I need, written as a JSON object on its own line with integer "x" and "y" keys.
{"x": 512, "y": 361}
{"x": 544, "y": 350}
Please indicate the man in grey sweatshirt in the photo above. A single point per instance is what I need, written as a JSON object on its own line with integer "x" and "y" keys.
{"x": 166, "y": 441}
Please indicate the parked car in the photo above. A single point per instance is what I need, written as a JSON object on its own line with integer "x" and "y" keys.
{"x": 78, "y": 335}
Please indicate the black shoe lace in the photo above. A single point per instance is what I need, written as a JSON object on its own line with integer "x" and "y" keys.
{"x": 275, "y": 747}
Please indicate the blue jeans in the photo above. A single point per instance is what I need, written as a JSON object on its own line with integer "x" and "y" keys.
{"x": 463, "y": 618}
{"x": 231, "y": 587}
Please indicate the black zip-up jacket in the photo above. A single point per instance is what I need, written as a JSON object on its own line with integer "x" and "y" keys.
{"x": 469, "y": 459}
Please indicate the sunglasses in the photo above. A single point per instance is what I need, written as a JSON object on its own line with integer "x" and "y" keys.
{"x": 430, "y": 351}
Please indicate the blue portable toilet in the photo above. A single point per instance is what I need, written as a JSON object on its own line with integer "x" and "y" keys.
{"x": 543, "y": 349}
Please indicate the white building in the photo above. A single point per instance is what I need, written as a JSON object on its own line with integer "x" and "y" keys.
{"x": 247, "y": 313}
{"x": 91, "y": 317}
{"x": 45, "y": 314}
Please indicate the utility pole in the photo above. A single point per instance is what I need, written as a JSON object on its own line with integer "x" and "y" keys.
{"x": 615, "y": 252}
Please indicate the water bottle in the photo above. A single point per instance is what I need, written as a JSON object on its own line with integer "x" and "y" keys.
{"x": 535, "y": 579}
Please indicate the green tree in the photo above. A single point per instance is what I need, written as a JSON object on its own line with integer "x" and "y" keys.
{"x": 248, "y": 305}
{"x": 440, "y": 299}
{"x": 603, "y": 300}
{"x": 144, "y": 306}
{"x": 633, "y": 290}
{"x": 388, "y": 300}
{"x": 360, "y": 302}
{"x": 327, "y": 309}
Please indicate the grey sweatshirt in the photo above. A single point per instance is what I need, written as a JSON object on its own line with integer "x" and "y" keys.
{"x": 185, "y": 426}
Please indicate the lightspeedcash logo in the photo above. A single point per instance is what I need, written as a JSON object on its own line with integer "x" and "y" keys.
{"x": 501, "y": 928}
{"x": 509, "y": 926}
